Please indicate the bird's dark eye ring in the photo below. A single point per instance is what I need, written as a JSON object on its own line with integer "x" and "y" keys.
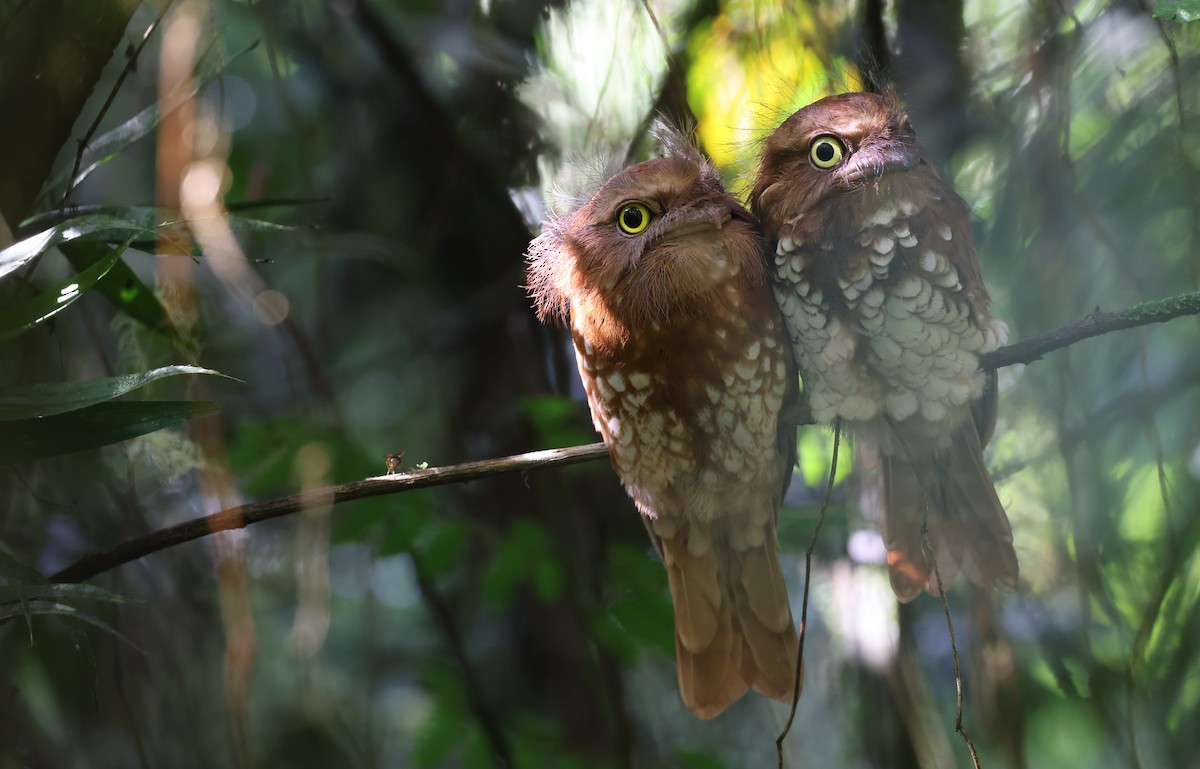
{"x": 826, "y": 152}
{"x": 633, "y": 217}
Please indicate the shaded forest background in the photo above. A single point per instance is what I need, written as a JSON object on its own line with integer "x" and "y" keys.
{"x": 330, "y": 201}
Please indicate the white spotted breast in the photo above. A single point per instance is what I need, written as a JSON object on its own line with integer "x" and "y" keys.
{"x": 881, "y": 322}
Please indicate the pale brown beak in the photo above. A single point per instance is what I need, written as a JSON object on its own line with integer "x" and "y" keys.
{"x": 869, "y": 165}
{"x": 692, "y": 222}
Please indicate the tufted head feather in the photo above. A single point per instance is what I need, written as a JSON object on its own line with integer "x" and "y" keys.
{"x": 873, "y": 132}
{"x": 688, "y": 235}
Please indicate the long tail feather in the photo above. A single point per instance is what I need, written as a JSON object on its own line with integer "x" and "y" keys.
{"x": 950, "y": 497}
{"x": 733, "y": 623}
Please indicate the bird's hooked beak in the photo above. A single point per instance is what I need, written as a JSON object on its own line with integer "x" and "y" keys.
{"x": 690, "y": 222}
{"x": 870, "y": 164}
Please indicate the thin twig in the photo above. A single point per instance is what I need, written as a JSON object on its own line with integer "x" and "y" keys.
{"x": 808, "y": 559}
{"x": 931, "y": 557}
{"x": 1181, "y": 119}
{"x": 1155, "y": 311}
{"x": 130, "y": 63}
{"x": 958, "y": 687}
{"x": 243, "y": 515}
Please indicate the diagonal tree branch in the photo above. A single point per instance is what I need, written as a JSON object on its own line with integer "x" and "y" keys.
{"x": 1155, "y": 311}
{"x": 241, "y": 516}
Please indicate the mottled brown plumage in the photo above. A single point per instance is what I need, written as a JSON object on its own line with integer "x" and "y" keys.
{"x": 686, "y": 363}
{"x": 876, "y": 275}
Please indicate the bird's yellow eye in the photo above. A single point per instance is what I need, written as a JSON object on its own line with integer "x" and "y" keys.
{"x": 826, "y": 152}
{"x": 633, "y": 218}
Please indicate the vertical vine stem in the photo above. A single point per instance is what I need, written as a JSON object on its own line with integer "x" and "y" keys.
{"x": 130, "y": 64}
{"x": 927, "y": 548}
{"x": 808, "y": 558}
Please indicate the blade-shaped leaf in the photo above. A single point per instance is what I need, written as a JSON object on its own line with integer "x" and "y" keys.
{"x": 122, "y": 286}
{"x": 153, "y": 218}
{"x": 25, "y": 314}
{"x": 24, "y": 250}
{"x": 43, "y": 400}
{"x": 29, "y": 608}
{"x": 62, "y": 592}
{"x": 24, "y": 440}
{"x": 83, "y": 228}
{"x": 105, "y": 147}
{"x": 1184, "y": 11}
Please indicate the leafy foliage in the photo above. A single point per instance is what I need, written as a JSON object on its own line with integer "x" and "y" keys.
{"x": 42, "y": 400}
{"x": 23, "y": 315}
{"x": 528, "y": 614}
{"x": 1184, "y": 10}
{"x": 27, "y": 594}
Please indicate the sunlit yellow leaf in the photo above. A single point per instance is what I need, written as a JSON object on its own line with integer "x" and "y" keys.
{"x": 752, "y": 66}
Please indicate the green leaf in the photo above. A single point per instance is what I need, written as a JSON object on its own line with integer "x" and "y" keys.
{"x": 647, "y": 623}
{"x": 609, "y": 634}
{"x": 477, "y": 754}
{"x": 29, "y": 593}
{"x": 695, "y": 760}
{"x": 29, "y": 608}
{"x": 443, "y": 734}
{"x": 43, "y": 400}
{"x": 97, "y": 227}
{"x": 408, "y": 519}
{"x": 815, "y": 450}
{"x": 526, "y": 554}
{"x": 24, "y": 440}
{"x": 440, "y": 544}
{"x": 638, "y": 603}
{"x": 59, "y": 592}
{"x": 122, "y": 287}
{"x": 448, "y": 724}
{"x": 105, "y": 147}
{"x": 24, "y": 314}
{"x": 547, "y": 578}
{"x": 557, "y": 420}
{"x": 152, "y": 218}
{"x": 1183, "y": 11}
{"x": 525, "y": 544}
{"x": 266, "y": 453}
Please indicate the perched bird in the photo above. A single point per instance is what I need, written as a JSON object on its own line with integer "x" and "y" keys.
{"x": 876, "y": 275}
{"x": 686, "y": 363}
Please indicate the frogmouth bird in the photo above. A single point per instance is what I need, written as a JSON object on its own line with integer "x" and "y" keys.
{"x": 876, "y": 276}
{"x": 683, "y": 354}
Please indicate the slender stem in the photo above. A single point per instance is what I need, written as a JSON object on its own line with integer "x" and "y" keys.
{"x": 958, "y": 687}
{"x": 808, "y": 559}
{"x": 1155, "y": 311}
{"x": 130, "y": 63}
{"x": 472, "y": 686}
{"x": 931, "y": 557}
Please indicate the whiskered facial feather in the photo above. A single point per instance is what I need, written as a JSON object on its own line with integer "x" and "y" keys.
{"x": 684, "y": 358}
{"x": 694, "y": 234}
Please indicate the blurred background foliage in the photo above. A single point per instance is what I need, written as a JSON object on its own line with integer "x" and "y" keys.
{"x": 329, "y": 201}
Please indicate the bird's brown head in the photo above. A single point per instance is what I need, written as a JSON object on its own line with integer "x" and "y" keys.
{"x": 833, "y": 148}
{"x": 650, "y": 243}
